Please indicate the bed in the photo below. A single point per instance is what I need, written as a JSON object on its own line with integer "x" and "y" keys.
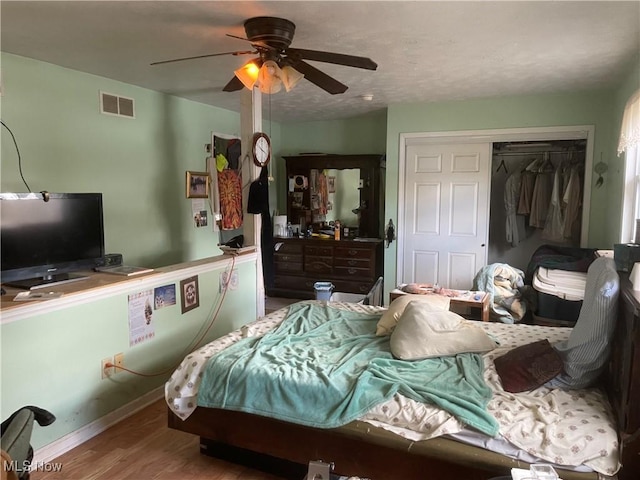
{"x": 402, "y": 438}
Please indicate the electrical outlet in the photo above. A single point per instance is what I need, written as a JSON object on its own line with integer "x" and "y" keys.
{"x": 231, "y": 280}
{"x": 223, "y": 281}
{"x": 106, "y": 371}
{"x": 118, "y": 361}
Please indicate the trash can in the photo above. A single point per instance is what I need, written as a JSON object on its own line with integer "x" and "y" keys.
{"x": 323, "y": 290}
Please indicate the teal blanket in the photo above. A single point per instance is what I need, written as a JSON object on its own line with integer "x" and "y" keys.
{"x": 324, "y": 367}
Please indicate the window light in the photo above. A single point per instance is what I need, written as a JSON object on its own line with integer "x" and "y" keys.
{"x": 630, "y": 131}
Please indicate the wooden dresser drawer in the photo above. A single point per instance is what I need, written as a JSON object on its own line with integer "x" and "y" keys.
{"x": 352, "y": 267}
{"x": 288, "y": 247}
{"x": 352, "y": 262}
{"x": 287, "y": 258}
{"x": 287, "y": 267}
{"x": 318, "y": 251}
{"x": 318, "y": 264}
{"x": 353, "y": 273}
{"x": 352, "y": 252}
{"x": 294, "y": 283}
{"x": 362, "y": 287}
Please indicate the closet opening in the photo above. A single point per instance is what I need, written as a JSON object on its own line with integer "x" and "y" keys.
{"x": 537, "y": 192}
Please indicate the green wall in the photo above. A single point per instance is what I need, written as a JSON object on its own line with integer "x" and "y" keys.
{"x": 363, "y": 134}
{"x": 53, "y": 359}
{"x": 585, "y": 108}
{"x": 139, "y": 164}
{"x": 358, "y": 135}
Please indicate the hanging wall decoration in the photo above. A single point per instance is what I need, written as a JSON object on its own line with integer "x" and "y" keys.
{"x": 600, "y": 168}
{"x": 197, "y": 184}
{"x": 190, "y": 295}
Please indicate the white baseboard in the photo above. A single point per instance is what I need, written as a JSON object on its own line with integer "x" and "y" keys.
{"x": 53, "y": 450}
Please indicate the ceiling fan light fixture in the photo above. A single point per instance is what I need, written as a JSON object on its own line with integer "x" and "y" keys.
{"x": 248, "y": 74}
{"x": 270, "y": 77}
{"x": 290, "y": 77}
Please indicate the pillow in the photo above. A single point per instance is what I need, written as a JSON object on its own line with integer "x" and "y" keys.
{"x": 424, "y": 333}
{"x": 528, "y": 367}
{"x": 389, "y": 319}
{"x": 586, "y": 352}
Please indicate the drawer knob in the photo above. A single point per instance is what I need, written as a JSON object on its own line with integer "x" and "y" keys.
{"x": 352, "y": 271}
{"x": 353, "y": 252}
{"x": 352, "y": 262}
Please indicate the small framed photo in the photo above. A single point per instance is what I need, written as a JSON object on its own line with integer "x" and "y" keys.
{"x": 197, "y": 184}
{"x": 190, "y": 296}
{"x": 331, "y": 184}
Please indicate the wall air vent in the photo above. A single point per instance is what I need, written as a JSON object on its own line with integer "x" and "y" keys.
{"x": 115, "y": 105}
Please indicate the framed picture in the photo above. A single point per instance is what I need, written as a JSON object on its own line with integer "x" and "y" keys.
{"x": 190, "y": 296}
{"x": 197, "y": 185}
{"x": 331, "y": 184}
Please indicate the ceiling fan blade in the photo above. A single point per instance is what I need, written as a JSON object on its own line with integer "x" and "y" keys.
{"x": 236, "y": 36}
{"x": 253, "y": 42}
{"x": 204, "y": 56}
{"x": 336, "y": 58}
{"x": 319, "y": 78}
{"x": 234, "y": 85}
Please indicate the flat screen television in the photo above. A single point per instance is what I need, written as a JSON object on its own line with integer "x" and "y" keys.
{"x": 45, "y": 242}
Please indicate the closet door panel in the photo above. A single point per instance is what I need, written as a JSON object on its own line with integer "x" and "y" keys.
{"x": 446, "y": 213}
{"x": 461, "y": 266}
{"x": 427, "y": 209}
{"x": 464, "y": 209}
{"x": 425, "y": 267}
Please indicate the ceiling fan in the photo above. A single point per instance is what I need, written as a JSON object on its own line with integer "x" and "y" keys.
{"x": 279, "y": 65}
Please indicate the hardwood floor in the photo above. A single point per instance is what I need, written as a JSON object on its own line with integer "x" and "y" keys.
{"x": 271, "y": 304}
{"x": 142, "y": 447}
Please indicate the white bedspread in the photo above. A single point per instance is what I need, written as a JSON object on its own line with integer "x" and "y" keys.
{"x": 570, "y": 428}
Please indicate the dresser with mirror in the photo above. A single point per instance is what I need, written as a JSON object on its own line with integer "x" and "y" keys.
{"x": 322, "y": 191}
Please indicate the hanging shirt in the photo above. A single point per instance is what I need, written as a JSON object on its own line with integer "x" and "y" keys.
{"x": 230, "y": 188}
{"x": 540, "y": 200}
{"x": 554, "y": 224}
{"x": 515, "y": 227}
{"x": 526, "y": 193}
{"x": 573, "y": 200}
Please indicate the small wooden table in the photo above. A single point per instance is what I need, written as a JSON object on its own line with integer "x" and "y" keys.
{"x": 473, "y": 300}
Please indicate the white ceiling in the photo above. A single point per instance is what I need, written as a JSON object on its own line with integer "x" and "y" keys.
{"x": 425, "y": 50}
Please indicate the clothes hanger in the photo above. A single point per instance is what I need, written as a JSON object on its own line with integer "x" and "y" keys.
{"x": 534, "y": 166}
{"x": 502, "y": 165}
{"x": 547, "y": 165}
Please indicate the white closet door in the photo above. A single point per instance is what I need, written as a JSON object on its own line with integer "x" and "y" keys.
{"x": 445, "y": 223}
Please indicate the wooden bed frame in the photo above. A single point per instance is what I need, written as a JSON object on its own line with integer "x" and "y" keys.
{"x": 359, "y": 449}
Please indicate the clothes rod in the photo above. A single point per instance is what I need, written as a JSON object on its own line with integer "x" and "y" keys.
{"x": 520, "y": 154}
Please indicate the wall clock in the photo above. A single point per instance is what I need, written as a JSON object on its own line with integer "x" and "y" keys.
{"x": 261, "y": 149}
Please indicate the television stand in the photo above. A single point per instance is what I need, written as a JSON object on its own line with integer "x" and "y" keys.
{"x": 36, "y": 283}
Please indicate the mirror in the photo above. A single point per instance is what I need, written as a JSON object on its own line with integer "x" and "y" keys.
{"x": 343, "y": 196}
{"x": 224, "y": 168}
{"x": 322, "y": 188}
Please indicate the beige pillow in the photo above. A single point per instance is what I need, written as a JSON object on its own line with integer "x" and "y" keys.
{"x": 389, "y": 319}
{"x": 424, "y": 333}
